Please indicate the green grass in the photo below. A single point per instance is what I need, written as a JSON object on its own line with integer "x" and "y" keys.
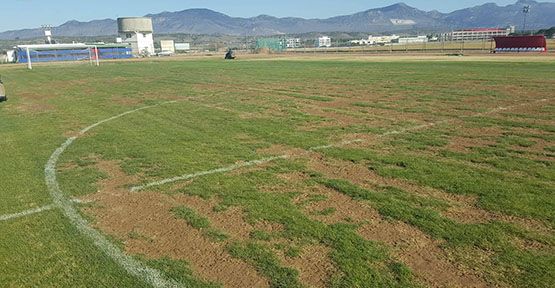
{"x": 199, "y": 222}
{"x": 192, "y": 218}
{"x": 226, "y": 112}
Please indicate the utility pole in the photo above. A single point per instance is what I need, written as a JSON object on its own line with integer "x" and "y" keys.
{"x": 525, "y": 11}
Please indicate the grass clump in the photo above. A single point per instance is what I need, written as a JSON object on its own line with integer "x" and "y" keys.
{"x": 359, "y": 261}
{"x": 267, "y": 263}
{"x": 496, "y": 191}
{"x": 492, "y": 236}
{"x": 192, "y": 218}
{"x": 200, "y": 223}
{"x": 181, "y": 272}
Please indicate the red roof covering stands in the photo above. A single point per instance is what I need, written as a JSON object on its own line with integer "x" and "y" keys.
{"x": 520, "y": 44}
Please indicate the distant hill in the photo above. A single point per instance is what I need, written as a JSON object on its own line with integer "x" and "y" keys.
{"x": 394, "y": 18}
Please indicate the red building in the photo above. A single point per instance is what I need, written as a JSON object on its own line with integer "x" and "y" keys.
{"x": 520, "y": 44}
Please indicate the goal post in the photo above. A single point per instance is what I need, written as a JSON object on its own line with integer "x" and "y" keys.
{"x": 77, "y": 52}
{"x": 29, "y": 64}
{"x": 58, "y": 53}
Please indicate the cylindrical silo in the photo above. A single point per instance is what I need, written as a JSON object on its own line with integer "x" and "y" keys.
{"x": 138, "y": 32}
{"x": 135, "y": 24}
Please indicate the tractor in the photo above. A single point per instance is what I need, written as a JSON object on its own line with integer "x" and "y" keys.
{"x": 230, "y": 55}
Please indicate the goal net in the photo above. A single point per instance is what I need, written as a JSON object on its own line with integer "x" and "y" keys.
{"x": 33, "y": 55}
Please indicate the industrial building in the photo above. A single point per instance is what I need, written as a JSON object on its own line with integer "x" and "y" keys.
{"x": 167, "y": 46}
{"x": 324, "y": 41}
{"x": 137, "y": 32}
{"x": 479, "y": 34}
{"x": 413, "y": 40}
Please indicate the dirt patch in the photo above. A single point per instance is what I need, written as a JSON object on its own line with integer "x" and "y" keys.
{"x": 420, "y": 252}
{"x": 33, "y": 107}
{"x": 464, "y": 144}
{"x": 269, "y": 227}
{"x": 231, "y": 220}
{"x": 462, "y": 208}
{"x": 314, "y": 265}
{"x": 293, "y": 176}
{"x": 146, "y": 226}
{"x": 277, "y": 150}
{"x": 338, "y": 118}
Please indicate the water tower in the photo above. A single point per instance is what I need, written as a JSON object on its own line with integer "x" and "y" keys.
{"x": 137, "y": 31}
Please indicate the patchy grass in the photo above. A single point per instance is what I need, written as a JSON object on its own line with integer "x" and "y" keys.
{"x": 199, "y": 222}
{"x": 228, "y": 112}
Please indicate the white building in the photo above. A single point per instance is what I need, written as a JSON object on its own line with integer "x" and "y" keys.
{"x": 376, "y": 40}
{"x": 479, "y": 34}
{"x": 167, "y": 46}
{"x": 138, "y": 32}
{"x": 324, "y": 41}
{"x": 180, "y": 47}
{"x": 413, "y": 40}
{"x": 10, "y": 56}
{"x": 293, "y": 43}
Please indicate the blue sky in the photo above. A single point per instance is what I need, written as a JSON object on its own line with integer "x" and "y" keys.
{"x": 19, "y": 14}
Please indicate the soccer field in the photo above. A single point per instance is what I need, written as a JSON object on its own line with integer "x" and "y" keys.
{"x": 279, "y": 173}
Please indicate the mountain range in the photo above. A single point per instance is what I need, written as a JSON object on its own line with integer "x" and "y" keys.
{"x": 399, "y": 17}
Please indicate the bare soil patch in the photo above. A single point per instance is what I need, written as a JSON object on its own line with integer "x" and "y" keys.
{"x": 231, "y": 220}
{"x": 124, "y": 215}
{"x": 465, "y": 144}
{"x": 33, "y": 103}
{"x": 410, "y": 245}
{"x": 462, "y": 208}
{"x": 314, "y": 265}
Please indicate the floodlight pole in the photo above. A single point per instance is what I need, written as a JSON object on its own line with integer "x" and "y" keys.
{"x": 29, "y": 65}
{"x": 526, "y": 11}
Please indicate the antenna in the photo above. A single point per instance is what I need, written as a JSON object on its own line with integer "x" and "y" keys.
{"x": 525, "y": 11}
{"x": 47, "y": 32}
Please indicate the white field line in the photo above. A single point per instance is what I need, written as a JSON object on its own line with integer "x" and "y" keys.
{"x": 37, "y": 210}
{"x": 132, "y": 266}
{"x": 209, "y": 172}
{"x": 26, "y": 213}
{"x": 152, "y": 276}
{"x": 324, "y": 147}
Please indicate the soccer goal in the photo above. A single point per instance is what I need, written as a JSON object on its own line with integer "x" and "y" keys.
{"x": 31, "y": 54}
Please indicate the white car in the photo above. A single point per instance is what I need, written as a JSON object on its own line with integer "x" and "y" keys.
{"x": 164, "y": 53}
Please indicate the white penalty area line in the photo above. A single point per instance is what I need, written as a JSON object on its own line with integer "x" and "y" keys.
{"x": 33, "y": 211}
{"x": 319, "y": 148}
{"x": 26, "y": 213}
{"x": 209, "y": 172}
